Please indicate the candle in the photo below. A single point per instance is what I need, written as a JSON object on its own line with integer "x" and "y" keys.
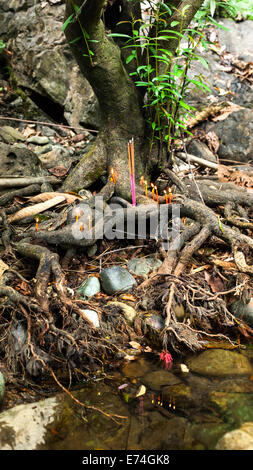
{"x": 146, "y": 188}
{"x": 37, "y": 223}
{"x": 89, "y": 223}
{"x": 113, "y": 177}
{"x": 81, "y": 227}
{"x": 153, "y": 191}
{"x": 170, "y": 191}
{"x": 166, "y": 197}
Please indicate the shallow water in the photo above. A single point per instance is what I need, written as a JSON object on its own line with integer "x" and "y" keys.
{"x": 179, "y": 411}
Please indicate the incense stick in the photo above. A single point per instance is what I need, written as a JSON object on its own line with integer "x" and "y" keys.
{"x": 131, "y": 169}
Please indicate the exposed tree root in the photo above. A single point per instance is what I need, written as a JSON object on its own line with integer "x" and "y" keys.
{"x": 60, "y": 332}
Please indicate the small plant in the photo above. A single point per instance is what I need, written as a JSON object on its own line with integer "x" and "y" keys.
{"x": 85, "y": 36}
{"x": 2, "y": 46}
{"x": 163, "y": 75}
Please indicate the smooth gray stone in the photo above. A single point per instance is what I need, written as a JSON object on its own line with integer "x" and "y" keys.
{"x": 116, "y": 279}
{"x": 143, "y": 266}
{"x": 89, "y": 287}
{"x": 37, "y": 139}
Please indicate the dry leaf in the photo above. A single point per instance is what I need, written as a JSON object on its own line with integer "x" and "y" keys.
{"x": 46, "y": 196}
{"x": 203, "y": 115}
{"x": 238, "y": 177}
{"x": 3, "y": 267}
{"x": 214, "y": 282}
{"x": 226, "y": 112}
{"x": 213, "y": 141}
{"x": 36, "y": 209}
{"x": 141, "y": 391}
{"x": 128, "y": 297}
{"x": 135, "y": 345}
{"x": 224, "y": 264}
{"x": 130, "y": 358}
{"x": 23, "y": 288}
{"x": 201, "y": 268}
{"x": 59, "y": 170}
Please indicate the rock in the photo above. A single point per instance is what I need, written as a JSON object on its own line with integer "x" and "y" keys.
{"x": 89, "y": 287}
{"x": 128, "y": 311}
{"x": 11, "y": 135}
{"x": 242, "y": 311}
{"x": 43, "y": 61}
{"x": 25, "y": 426}
{"x": 179, "y": 312}
{"x": 59, "y": 155}
{"x": 136, "y": 368}
{"x": 92, "y": 316}
{"x": 160, "y": 378}
{"x": 238, "y": 439}
{"x": 234, "y": 407}
{"x": 92, "y": 250}
{"x": 2, "y": 386}
{"x": 220, "y": 363}
{"x": 18, "y": 160}
{"x": 235, "y": 134}
{"x": 155, "y": 321}
{"x": 37, "y": 139}
{"x": 219, "y": 79}
{"x": 236, "y": 38}
{"x": 115, "y": 279}
{"x": 199, "y": 149}
{"x": 54, "y": 424}
{"x": 19, "y": 335}
{"x": 143, "y": 266}
{"x": 39, "y": 150}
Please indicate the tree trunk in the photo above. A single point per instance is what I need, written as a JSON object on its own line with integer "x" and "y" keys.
{"x": 122, "y": 117}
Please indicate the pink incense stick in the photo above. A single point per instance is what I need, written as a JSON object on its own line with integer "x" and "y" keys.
{"x": 133, "y": 188}
{"x": 131, "y": 169}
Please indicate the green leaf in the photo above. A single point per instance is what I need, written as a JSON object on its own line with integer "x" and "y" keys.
{"x": 203, "y": 61}
{"x": 119, "y": 35}
{"x": 68, "y": 20}
{"x": 174, "y": 23}
{"x": 220, "y": 224}
{"x": 130, "y": 58}
{"x": 76, "y": 8}
{"x": 75, "y": 40}
{"x": 212, "y": 7}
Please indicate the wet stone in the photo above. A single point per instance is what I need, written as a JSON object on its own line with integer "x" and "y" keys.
{"x": 155, "y": 321}
{"x": 238, "y": 439}
{"x": 89, "y": 287}
{"x": 220, "y": 363}
{"x": 143, "y": 266}
{"x": 128, "y": 311}
{"x": 136, "y": 368}
{"x": 116, "y": 279}
{"x": 242, "y": 311}
{"x": 160, "y": 378}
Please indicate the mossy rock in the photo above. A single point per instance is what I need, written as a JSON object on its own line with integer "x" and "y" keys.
{"x": 219, "y": 363}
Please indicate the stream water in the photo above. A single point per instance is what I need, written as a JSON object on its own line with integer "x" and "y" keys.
{"x": 178, "y": 411}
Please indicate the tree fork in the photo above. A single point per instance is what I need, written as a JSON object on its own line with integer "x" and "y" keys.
{"x": 117, "y": 96}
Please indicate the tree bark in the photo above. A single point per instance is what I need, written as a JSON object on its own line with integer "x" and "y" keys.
{"x": 122, "y": 117}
